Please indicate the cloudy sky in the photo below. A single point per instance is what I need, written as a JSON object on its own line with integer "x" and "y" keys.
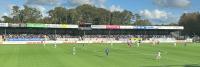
{"x": 158, "y": 11}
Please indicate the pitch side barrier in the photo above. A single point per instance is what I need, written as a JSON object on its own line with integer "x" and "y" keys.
{"x": 57, "y": 42}
{"x": 74, "y": 42}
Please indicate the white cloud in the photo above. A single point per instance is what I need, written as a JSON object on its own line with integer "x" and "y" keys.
{"x": 5, "y": 14}
{"x": 101, "y": 3}
{"x": 41, "y": 2}
{"x": 80, "y": 2}
{"x": 10, "y": 8}
{"x": 98, "y": 3}
{"x": 173, "y": 3}
{"x": 67, "y": 3}
{"x": 8, "y": 12}
{"x": 155, "y": 14}
{"x": 116, "y": 8}
{"x": 158, "y": 16}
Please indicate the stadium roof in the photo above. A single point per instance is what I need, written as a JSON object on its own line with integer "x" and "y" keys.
{"x": 38, "y": 25}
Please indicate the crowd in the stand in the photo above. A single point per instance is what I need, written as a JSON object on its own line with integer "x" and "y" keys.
{"x": 127, "y": 36}
{"x": 53, "y": 36}
{"x": 23, "y": 36}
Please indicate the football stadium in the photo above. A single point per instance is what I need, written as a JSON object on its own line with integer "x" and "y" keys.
{"x": 85, "y": 34}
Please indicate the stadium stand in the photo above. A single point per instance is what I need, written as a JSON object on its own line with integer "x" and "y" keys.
{"x": 94, "y": 33}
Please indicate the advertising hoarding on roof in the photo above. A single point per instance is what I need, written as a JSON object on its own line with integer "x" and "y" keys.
{"x": 22, "y": 25}
{"x": 138, "y": 27}
{"x": 13, "y": 25}
{"x": 36, "y": 25}
{"x": 180, "y": 27}
{"x": 112, "y": 27}
{"x": 126, "y": 27}
{"x": 135, "y": 27}
{"x": 3, "y": 24}
{"x": 170, "y": 27}
{"x": 72, "y": 26}
{"x": 98, "y": 26}
{"x": 61, "y": 26}
{"x": 145, "y": 27}
{"x": 49, "y": 25}
{"x": 159, "y": 27}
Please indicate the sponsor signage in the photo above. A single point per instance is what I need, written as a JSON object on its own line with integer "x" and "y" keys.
{"x": 159, "y": 27}
{"x": 63, "y": 26}
{"x": 3, "y": 24}
{"x": 50, "y": 25}
{"x": 171, "y": 27}
{"x": 36, "y": 25}
{"x": 112, "y": 27}
{"x": 72, "y": 26}
{"x": 22, "y": 25}
{"x": 13, "y": 25}
{"x": 126, "y": 27}
{"x": 98, "y": 26}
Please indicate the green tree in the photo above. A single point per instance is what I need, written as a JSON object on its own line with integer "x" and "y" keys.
{"x": 15, "y": 13}
{"x": 87, "y": 13}
{"x": 125, "y": 17}
{"x": 142, "y": 23}
{"x": 30, "y": 15}
{"x": 58, "y": 15}
{"x": 173, "y": 24}
{"x": 7, "y": 19}
{"x": 102, "y": 16}
{"x": 191, "y": 23}
{"x": 115, "y": 18}
{"x": 72, "y": 16}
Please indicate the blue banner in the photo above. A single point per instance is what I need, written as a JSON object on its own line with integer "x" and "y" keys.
{"x": 144, "y": 27}
{"x": 25, "y": 39}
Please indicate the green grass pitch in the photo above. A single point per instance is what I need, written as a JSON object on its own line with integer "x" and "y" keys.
{"x": 92, "y": 55}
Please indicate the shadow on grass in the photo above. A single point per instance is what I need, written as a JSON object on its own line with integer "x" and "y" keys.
{"x": 187, "y": 65}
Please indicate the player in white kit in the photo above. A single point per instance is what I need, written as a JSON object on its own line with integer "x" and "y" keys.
{"x": 138, "y": 43}
{"x": 74, "y": 50}
{"x": 175, "y": 44}
{"x": 158, "y": 56}
{"x": 55, "y": 45}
